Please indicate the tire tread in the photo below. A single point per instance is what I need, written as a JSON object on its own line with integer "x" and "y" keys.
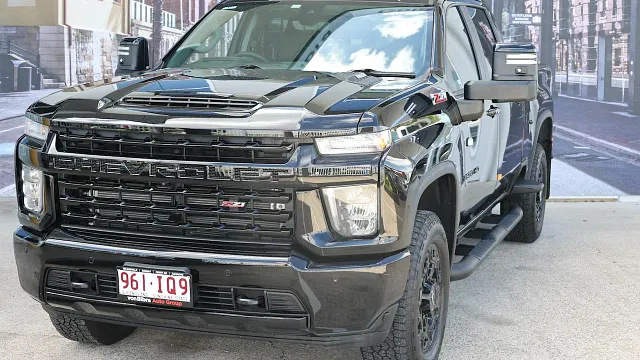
{"x": 398, "y": 345}
{"x": 90, "y": 332}
{"x": 525, "y": 231}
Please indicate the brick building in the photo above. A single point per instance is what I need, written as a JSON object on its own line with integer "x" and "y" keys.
{"x": 75, "y": 41}
{"x": 579, "y": 26}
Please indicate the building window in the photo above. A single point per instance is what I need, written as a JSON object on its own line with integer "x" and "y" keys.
{"x": 615, "y": 8}
{"x": 617, "y": 57}
{"x": 605, "y": 6}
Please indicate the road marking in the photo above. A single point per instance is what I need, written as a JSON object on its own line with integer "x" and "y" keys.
{"x": 609, "y": 148}
{"x": 11, "y": 129}
{"x": 624, "y": 113}
{"x": 575, "y": 156}
{"x": 582, "y": 147}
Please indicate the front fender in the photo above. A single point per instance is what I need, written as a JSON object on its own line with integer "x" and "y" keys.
{"x": 405, "y": 178}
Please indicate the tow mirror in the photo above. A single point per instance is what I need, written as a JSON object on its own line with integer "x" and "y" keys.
{"x": 133, "y": 55}
{"x": 515, "y": 76}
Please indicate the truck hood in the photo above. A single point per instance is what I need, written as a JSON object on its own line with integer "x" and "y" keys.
{"x": 296, "y": 96}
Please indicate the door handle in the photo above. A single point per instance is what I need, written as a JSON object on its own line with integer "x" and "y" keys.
{"x": 493, "y": 111}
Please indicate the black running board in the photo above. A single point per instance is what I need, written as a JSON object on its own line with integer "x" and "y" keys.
{"x": 527, "y": 187}
{"x": 465, "y": 267}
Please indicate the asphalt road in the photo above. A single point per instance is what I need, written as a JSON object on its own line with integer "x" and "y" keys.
{"x": 571, "y": 295}
{"x": 607, "y": 122}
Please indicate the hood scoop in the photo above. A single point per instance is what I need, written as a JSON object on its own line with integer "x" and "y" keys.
{"x": 197, "y": 101}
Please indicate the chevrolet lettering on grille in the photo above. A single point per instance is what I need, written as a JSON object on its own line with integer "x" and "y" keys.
{"x": 171, "y": 171}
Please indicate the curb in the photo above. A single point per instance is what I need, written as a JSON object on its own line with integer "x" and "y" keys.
{"x": 11, "y": 117}
{"x": 599, "y": 199}
{"x": 598, "y": 144}
{"x": 613, "y": 103}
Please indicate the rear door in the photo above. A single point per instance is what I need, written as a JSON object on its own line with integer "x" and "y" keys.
{"x": 478, "y": 138}
{"x": 511, "y": 118}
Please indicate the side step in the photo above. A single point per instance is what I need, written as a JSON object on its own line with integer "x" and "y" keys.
{"x": 523, "y": 186}
{"x": 469, "y": 263}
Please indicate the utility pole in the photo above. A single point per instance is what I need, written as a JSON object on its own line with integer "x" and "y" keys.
{"x": 634, "y": 59}
{"x": 496, "y": 9}
{"x": 156, "y": 32}
{"x": 564, "y": 32}
{"x": 547, "y": 40}
{"x": 181, "y": 16}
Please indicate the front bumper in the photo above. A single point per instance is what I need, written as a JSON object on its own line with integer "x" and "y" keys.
{"x": 347, "y": 303}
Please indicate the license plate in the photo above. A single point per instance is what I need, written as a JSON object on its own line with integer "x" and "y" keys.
{"x": 155, "y": 285}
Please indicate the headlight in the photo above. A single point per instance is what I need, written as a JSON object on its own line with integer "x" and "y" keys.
{"x": 32, "y": 199}
{"x": 354, "y": 144}
{"x": 34, "y": 127}
{"x": 353, "y": 210}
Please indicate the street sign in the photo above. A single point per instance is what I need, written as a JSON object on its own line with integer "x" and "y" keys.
{"x": 525, "y": 19}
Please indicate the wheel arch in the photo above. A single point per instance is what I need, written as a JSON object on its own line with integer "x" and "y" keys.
{"x": 544, "y": 137}
{"x": 438, "y": 191}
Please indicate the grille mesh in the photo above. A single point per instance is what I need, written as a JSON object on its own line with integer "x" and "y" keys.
{"x": 166, "y": 146}
{"x": 177, "y": 217}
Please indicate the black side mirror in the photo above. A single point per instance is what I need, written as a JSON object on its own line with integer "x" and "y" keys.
{"x": 133, "y": 55}
{"x": 501, "y": 91}
{"x": 515, "y": 76}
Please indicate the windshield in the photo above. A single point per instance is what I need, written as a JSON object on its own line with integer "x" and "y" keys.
{"x": 310, "y": 36}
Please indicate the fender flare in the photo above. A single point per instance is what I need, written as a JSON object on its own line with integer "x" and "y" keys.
{"x": 542, "y": 116}
{"x": 546, "y": 113}
{"x": 418, "y": 187}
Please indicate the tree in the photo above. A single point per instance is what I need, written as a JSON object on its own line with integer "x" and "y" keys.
{"x": 157, "y": 32}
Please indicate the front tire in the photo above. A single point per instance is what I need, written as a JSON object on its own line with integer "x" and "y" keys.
{"x": 418, "y": 328}
{"x": 87, "y": 331}
{"x": 533, "y": 205}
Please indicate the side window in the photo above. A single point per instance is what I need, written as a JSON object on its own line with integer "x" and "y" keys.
{"x": 461, "y": 65}
{"x": 485, "y": 32}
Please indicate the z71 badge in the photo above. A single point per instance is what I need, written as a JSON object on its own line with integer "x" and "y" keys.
{"x": 439, "y": 97}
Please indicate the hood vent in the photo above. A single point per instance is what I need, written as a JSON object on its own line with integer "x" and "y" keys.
{"x": 190, "y": 102}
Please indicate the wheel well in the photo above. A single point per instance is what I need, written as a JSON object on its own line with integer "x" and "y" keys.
{"x": 440, "y": 198}
{"x": 545, "y": 138}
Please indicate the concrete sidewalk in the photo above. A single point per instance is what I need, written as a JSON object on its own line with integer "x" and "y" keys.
{"x": 571, "y": 295}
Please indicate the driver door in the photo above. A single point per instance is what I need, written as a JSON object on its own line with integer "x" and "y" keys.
{"x": 479, "y": 138}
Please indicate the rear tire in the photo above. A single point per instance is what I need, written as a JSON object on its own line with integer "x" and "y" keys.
{"x": 418, "y": 328}
{"x": 88, "y": 331}
{"x": 533, "y": 205}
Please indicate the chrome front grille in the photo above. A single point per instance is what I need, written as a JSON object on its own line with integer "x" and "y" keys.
{"x": 173, "y": 216}
{"x": 189, "y": 102}
{"x": 194, "y": 145}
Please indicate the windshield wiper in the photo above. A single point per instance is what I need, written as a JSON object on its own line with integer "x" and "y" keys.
{"x": 378, "y": 73}
{"x": 248, "y": 66}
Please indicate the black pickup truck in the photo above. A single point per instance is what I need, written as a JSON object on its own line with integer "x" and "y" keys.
{"x": 308, "y": 171}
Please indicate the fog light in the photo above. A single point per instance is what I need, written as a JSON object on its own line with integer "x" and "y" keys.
{"x": 353, "y": 210}
{"x": 32, "y": 180}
